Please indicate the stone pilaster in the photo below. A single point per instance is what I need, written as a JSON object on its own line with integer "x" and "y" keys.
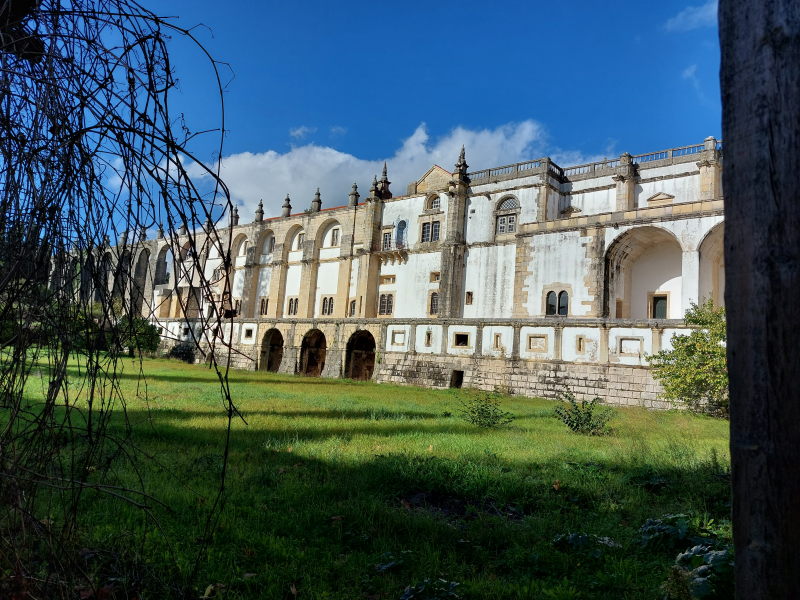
{"x": 625, "y": 178}
{"x": 451, "y": 293}
{"x": 710, "y": 165}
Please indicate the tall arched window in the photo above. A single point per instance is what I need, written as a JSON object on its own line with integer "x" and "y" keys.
{"x": 506, "y": 216}
{"x": 551, "y": 304}
{"x": 563, "y": 304}
{"x": 324, "y": 306}
{"x": 434, "y": 308}
{"x": 400, "y": 235}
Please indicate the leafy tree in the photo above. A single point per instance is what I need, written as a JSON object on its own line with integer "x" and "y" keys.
{"x": 695, "y": 371}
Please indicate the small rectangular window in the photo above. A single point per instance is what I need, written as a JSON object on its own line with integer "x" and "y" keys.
{"x": 468, "y": 298}
{"x": 335, "y": 237}
{"x": 537, "y": 343}
{"x": 461, "y": 340}
{"x": 185, "y": 331}
{"x": 435, "y": 276}
{"x": 659, "y": 310}
{"x": 434, "y": 231}
{"x": 434, "y": 304}
{"x": 387, "y": 241}
{"x": 387, "y": 279}
{"x": 248, "y": 333}
{"x": 580, "y": 344}
{"x": 498, "y": 341}
{"x": 428, "y": 338}
{"x": 398, "y": 338}
{"x": 352, "y": 308}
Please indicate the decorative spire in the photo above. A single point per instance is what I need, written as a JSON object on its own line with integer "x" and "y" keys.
{"x": 160, "y": 231}
{"x": 234, "y": 216}
{"x": 383, "y": 185}
{"x": 373, "y": 190}
{"x": 143, "y": 235}
{"x": 123, "y": 237}
{"x": 286, "y": 209}
{"x": 260, "y": 211}
{"x": 182, "y": 230}
{"x": 354, "y": 195}
{"x": 461, "y": 165}
{"x": 316, "y": 203}
{"x": 209, "y": 223}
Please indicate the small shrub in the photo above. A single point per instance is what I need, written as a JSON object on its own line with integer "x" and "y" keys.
{"x": 183, "y": 351}
{"x": 484, "y": 411}
{"x": 583, "y": 544}
{"x": 584, "y": 417}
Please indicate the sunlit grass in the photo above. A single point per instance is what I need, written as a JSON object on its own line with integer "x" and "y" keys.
{"x": 330, "y": 478}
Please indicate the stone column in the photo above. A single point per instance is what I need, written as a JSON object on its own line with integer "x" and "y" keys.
{"x": 277, "y": 290}
{"x": 690, "y": 279}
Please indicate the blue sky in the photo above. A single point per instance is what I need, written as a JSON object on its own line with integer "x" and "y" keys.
{"x": 320, "y": 93}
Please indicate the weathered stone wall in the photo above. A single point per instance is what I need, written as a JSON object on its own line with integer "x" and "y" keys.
{"x": 622, "y": 385}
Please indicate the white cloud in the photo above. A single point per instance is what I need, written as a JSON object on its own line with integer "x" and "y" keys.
{"x": 301, "y": 132}
{"x": 337, "y": 130}
{"x": 270, "y": 175}
{"x": 690, "y": 74}
{"x": 694, "y": 17}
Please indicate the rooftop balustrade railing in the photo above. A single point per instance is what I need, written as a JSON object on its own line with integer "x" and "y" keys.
{"x": 588, "y": 168}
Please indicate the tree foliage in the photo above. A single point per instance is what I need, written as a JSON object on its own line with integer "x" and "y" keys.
{"x": 694, "y": 372}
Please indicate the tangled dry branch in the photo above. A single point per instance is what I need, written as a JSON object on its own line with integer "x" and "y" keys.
{"x": 92, "y": 161}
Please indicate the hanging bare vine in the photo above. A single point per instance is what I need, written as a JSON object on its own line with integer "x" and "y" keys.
{"x": 92, "y": 163}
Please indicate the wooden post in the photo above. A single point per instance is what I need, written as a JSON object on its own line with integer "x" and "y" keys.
{"x": 760, "y": 82}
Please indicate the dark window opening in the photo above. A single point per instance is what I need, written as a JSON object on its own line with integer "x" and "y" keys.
{"x": 468, "y": 299}
{"x": 456, "y": 379}
{"x": 461, "y": 340}
{"x": 659, "y": 307}
{"x": 434, "y": 309}
{"x": 563, "y": 304}
{"x": 551, "y": 304}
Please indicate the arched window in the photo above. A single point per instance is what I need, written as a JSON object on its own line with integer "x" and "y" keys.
{"x": 324, "y": 306}
{"x": 563, "y": 304}
{"x": 434, "y": 203}
{"x": 434, "y": 308}
{"x": 506, "y": 216}
{"x": 552, "y": 304}
{"x": 400, "y": 235}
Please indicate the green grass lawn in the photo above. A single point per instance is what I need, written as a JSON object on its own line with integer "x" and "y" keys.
{"x": 353, "y": 490}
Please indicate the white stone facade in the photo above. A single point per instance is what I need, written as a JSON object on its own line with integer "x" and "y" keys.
{"x": 523, "y": 278}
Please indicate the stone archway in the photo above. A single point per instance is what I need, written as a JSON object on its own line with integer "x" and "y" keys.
{"x": 312, "y": 353}
{"x": 271, "y": 351}
{"x": 360, "y": 360}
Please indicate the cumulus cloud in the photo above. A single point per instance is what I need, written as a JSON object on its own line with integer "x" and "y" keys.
{"x": 337, "y": 130}
{"x": 301, "y": 132}
{"x": 694, "y": 17}
{"x": 270, "y": 175}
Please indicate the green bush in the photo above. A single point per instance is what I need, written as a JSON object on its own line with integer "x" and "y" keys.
{"x": 484, "y": 411}
{"x": 183, "y": 351}
{"x": 694, "y": 373}
{"x": 704, "y": 571}
{"x": 583, "y": 417}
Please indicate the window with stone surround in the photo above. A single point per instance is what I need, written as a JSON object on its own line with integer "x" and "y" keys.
{"x": 461, "y": 340}
{"x": 506, "y": 215}
{"x": 433, "y": 305}
{"x": 352, "y": 308}
{"x": 435, "y": 276}
{"x": 335, "y": 237}
{"x": 385, "y": 304}
{"x": 430, "y": 231}
{"x": 428, "y": 338}
{"x": 468, "y": 298}
{"x": 264, "y": 306}
{"x": 557, "y": 304}
{"x": 291, "y": 306}
{"x": 327, "y": 305}
{"x": 433, "y": 202}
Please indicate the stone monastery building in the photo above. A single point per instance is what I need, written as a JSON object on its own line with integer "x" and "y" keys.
{"x": 522, "y": 278}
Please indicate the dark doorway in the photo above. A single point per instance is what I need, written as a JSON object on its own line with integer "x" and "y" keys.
{"x": 271, "y": 351}
{"x": 456, "y": 379}
{"x": 312, "y": 353}
{"x": 360, "y": 361}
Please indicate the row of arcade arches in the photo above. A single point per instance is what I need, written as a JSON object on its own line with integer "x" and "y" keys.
{"x": 359, "y": 356}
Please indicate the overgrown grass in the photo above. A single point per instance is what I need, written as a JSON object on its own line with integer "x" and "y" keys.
{"x": 351, "y": 490}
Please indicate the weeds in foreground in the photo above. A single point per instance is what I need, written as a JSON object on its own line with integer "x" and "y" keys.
{"x": 483, "y": 410}
{"x": 584, "y": 417}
